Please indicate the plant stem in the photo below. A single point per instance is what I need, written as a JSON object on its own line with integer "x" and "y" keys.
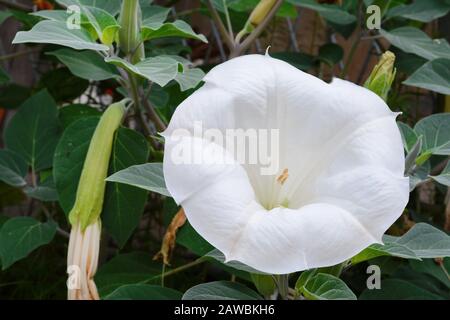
{"x": 239, "y": 49}
{"x": 227, "y": 17}
{"x": 282, "y": 282}
{"x": 227, "y": 38}
{"x": 179, "y": 269}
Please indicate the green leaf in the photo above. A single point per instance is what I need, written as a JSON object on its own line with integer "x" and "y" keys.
{"x": 432, "y": 268}
{"x": 160, "y": 70}
{"x": 46, "y": 191}
{"x": 86, "y": 64}
{"x": 398, "y": 289}
{"x": 54, "y": 15}
{"x": 69, "y": 159}
{"x": 299, "y": 60}
{"x": 13, "y": 168}
{"x": 147, "y": 176}
{"x": 104, "y": 24}
{"x": 128, "y": 268}
{"x": 190, "y": 239}
{"x": 56, "y": 32}
{"x": 422, "y": 241}
{"x": 444, "y": 176}
{"x": 220, "y": 290}
{"x": 413, "y": 40}
{"x": 434, "y": 76}
{"x": 152, "y": 15}
{"x": 144, "y": 292}
{"x": 435, "y": 130}
{"x": 303, "y": 279}
{"x": 331, "y": 53}
{"x": 111, "y": 6}
{"x": 4, "y": 77}
{"x": 421, "y": 10}
{"x": 20, "y": 236}
{"x": 62, "y": 85}
{"x": 332, "y": 13}
{"x": 219, "y": 256}
{"x": 326, "y": 287}
{"x": 124, "y": 204}
{"x": 13, "y": 95}
{"x": 178, "y": 28}
{"x": 189, "y": 78}
{"x": 409, "y": 136}
{"x": 71, "y": 113}
{"x": 33, "y": 132}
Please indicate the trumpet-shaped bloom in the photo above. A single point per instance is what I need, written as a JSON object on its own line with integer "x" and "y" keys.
{"x": 336, "y": 181}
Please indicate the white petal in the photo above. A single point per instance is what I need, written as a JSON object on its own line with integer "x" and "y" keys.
{"x": 339, "y": 142}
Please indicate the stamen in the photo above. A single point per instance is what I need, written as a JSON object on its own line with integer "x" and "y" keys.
{"x": 283, "y": 177}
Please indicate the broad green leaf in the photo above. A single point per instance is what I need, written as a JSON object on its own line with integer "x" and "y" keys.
{"x": 326, "y": 287}
{"x": 435, "y": 130}
{"x": 46, "y": 191}
{"x": 69, "y": 159}
{"x": 189, "y": 78}
{"x": 303, "y": 279}
{"x": 56, "y": 32}
{"x": 419, "y": 175}
{"x": 220, "y": 290}
{"x": 54, "y": 15}
{"x": 4, "y": 77}
{"x": 444, "y": 176}
{"x": 128, "y": 268}
{"x": 144, "y": 292}
{"x": 20, "y": 236}
{"x": 299, "y": 60}
{"x": 86, "y": 64}
{"x": 104, "y": 24}
{"x": 152, "y": 15}
{"x": 147, "y": 176}
{"x": 434, "y": 76}
{"x": 398, "y": 289}
{"x": 62, "y": 85}
{"x": 111, "y": 6}
{"x": 160, "y": 70}
{"x": 124, "y": 204}
{"x": 13, "y": 168}
{"x": 422, "y": 241}
{"x": 332, "y": 13}
{"x": 431, "y": 267}
{"x": 331, "y": 53}
{"x": 421, "y": 10}
{"x": 409, "y": 136}
{"x": 13, "y": 95}
{"x": 178, "y": 28}
{"x": 33, "y": 132}
{"x": 414, "y": 40}
{"x": 219, "y": 256}
{"x": 71, "y": 113}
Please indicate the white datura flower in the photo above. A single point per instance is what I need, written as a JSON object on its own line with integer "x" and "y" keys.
{"x": 332, "y": 183}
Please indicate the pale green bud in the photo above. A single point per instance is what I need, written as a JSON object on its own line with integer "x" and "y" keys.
{"x": 382, "y": 76}
{"x": 91, "y": 186}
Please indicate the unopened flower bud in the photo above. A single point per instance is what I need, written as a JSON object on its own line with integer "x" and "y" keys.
{"x": 382, "y": 76}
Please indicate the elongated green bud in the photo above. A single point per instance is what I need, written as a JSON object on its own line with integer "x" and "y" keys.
{"x": 260, "y": 12}
{"x": 130, "y": 21}
{"x": 91, "y": 187}
{"x": 382, "y": 76}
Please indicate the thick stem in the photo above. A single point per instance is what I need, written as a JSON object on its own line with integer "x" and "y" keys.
{"x": 239, "y": 49}
{"x": 282, "y": 282}
{"x": 227, "y": 38}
